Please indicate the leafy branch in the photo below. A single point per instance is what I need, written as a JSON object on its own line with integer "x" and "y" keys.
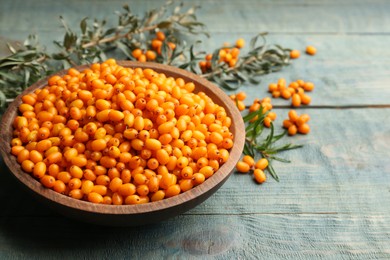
{"x": 256, "y": 144}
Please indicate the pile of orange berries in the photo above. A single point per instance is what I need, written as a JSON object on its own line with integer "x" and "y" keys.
{"x": 116, "y": 135}
{"x": 296, "y": 90}
{"x": 228, "y": 55}
{"x": 296, "y": 123}
{"x": 248, "y": 163}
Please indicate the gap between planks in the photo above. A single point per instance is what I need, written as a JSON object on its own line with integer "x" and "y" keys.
{"x": 378, "y": 106}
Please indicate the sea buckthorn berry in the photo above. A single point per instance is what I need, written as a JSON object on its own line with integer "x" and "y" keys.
{"x": 293, "y": 116}
{"x": 259, "y": 175}
{"x": 242, "y": 167}
{"x": 287, "y": 123}
{"x": 311, "y": 50}
{"x": 294, "y": 54}
{"x": 304, "y": 118}
{"x": 36, "y": 156}
{"x": 74, "y": 183}
{"x": 28, "y": 166}
{"x": 267, "y": 121}
{"x": 76, "y": 171}
{"x": 48, "y": 181}
{"x": 249, "y": 160}
{"x": 296, "y": 100}
{"x": 136, "y": 53}
{"x": 186, "y": 184}
{"x": 207, "y": 171}
{"x": 286, "y": 94}
{"x": 292, "y": 130}
{"x": 59, "y": 187}
{"x": 76, "y": 194}
{"x": 198, "y": 178}
{"x": 304, "y": 129}
{"x": 308, "y": 86}
{"x": 241, "y": 96}
{"x": 152, "y": 144}
{"x": 172, "y": 190}
{"x": 159, "y": 195}
{"x": 132, "y": 200}
{"x": 95, "y": 197}
{"x": 261, "y": 164}
{"x": 240, "y": 43}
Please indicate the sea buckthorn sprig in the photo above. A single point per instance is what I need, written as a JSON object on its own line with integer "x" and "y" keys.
{"x": 264, "y": 147}
{"x": 116, "y": 135}
{"x": 96, "y": 41}
{"x": 159, "y": 50}
{"x": 229, "y": 73}
{"x": 227, "y": 55}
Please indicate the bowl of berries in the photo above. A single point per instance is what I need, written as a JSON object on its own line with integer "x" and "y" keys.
{"x": 122, "y": 143}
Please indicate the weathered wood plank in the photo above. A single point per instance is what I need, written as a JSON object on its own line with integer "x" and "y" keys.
{"x": 342, "y": 168}
{"x": 337, "y": 236}
{"x": 279, "y": 16}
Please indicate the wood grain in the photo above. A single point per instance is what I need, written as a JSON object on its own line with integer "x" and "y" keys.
{"x": 333, "y": 199}
{"x": 288, "y": 236}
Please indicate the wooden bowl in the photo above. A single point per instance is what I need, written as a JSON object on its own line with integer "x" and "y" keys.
{"x": 130, "y": 215}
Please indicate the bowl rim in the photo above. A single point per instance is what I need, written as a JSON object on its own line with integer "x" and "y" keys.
{"x": 212, "y": 182}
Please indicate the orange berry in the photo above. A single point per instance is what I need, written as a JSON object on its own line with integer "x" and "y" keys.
{"x": 308, "y": 86}
{"x": 304, "y": 118}
{"x": 294, "y": 54}
{"x": 249, "y": 160}
{"x": 259, "y": 175}
{"x": 292, "y": 130}
{"x": 296, "y": 100}
{"x": 287, "y": 123}
{"x": 160, "y": 35}
{"x": 240, "y": 43}
{"x": 311, "y": 50}
{"x": 241, "y": 96}
{"x": 286, "y": 94}
{"x": 267, "y": 122}
{"x": 242, "y": 167}
{"x": 305, "y": 99}
{"x": 292, "y": 114}
{"x": 304, "y": 129}
{"x": 261, "y": 164}
{"x": 150, "y": 55}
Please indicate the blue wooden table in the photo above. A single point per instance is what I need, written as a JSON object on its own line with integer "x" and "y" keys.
{"x": 332, "y": 201}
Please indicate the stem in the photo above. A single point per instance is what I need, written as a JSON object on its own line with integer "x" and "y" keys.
{"x": 219, "y": 71}
{"x": 116, "y": 37}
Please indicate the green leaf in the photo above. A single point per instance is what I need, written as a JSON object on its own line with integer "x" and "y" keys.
{"x": 164, "y": 24}
{"x": 253, "y": 41}
{"x": 271, "y": 170}
{"x": 3, "y": 99}
{"x": 83, "y": 25}
{"x": 253, "y": 114}
{"x": 125, "y": 50}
